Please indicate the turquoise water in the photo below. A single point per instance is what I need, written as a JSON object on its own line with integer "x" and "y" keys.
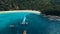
{"x": 37, "y": 24}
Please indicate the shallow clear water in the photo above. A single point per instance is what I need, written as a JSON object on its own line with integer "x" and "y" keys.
{"x": 37, "y": 24}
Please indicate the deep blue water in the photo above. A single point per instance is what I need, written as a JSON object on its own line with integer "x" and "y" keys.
{"x": 37, "y": 24}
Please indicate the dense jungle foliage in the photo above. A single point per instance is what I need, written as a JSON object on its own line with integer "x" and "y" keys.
{"x": 42, "y": 5}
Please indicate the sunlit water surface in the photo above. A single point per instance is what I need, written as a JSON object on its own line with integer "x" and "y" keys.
{"x": 10, "y": 23}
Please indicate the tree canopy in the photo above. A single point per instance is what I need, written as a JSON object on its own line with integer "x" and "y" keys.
{"x": 42, "y": 5}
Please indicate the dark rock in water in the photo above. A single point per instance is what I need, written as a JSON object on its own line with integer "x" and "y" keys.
{"x": 52, "y": 12}
{"x": 11, "y": 23}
